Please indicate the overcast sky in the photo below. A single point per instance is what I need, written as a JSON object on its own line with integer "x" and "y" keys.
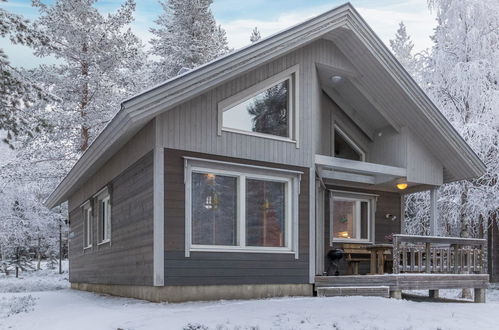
{"x": 239, "y": 17}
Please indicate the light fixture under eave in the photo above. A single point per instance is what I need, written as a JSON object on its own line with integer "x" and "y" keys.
{"x": 336, "y": 79}
{"x": 402, "y": 186}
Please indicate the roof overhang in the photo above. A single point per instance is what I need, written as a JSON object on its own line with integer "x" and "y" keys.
{"x": 142, "y": 108}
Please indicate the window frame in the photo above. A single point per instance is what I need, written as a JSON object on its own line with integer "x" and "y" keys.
{"x": 350, "y": 141}
{"x": 242, "y": 173}
{"x": 371, "y": 200}
{"x": 290, "y": 74}
{"x": 104, "y": 196}
{"x": 87, "y": 224}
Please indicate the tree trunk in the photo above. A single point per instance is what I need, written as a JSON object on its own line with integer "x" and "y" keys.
{"x": 38, "y": 255}
{"x": 85, "y": 136}
{"x": 466, "y": 293}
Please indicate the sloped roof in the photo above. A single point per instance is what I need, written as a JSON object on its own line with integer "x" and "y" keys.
{"x": 138, "y": 110}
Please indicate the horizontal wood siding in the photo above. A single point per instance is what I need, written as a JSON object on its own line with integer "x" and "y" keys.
{"x": 212, "y": 268}
{"x": 193, "y": 125}
{"x": 128, "y": 258}
{"x": 138, "y": 145}
{"x": 388, "y": 203}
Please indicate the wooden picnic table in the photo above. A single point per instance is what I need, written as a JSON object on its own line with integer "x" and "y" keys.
{"x": 379, "y": 252}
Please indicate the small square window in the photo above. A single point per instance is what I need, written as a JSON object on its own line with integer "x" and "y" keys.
{"x": 350, "y": 218}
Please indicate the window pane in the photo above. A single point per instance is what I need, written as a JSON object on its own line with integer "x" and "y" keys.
{"x": 343, "y": 219}
{"x": 364, "y": 218}
{"x": 265, "y": 213}
{"x": 343, "y": 148}
{"x": 267, "y": 112}
{"x": 214, "y": 209}
{"x": 103, "y": 220}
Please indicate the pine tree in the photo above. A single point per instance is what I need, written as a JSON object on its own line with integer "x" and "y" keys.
{"x": 255, "y": 35}
{"x": 16, "y": 91}
{"x": 402, "y": 47}
{"x": 187, "y": 36}
{"x": 99, "y": 56}
{"x": 270, "y": 112}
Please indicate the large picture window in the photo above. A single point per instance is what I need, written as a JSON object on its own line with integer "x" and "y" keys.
{"x": 351, "y": 217}
{"x": 230, "y": 209}
{"x": 266, "y": 109}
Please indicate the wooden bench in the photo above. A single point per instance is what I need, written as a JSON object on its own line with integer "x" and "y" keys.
{"x": 355, "y": 254}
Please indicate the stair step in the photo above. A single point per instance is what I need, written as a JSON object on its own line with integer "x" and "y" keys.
{"x": 366, "y": 291}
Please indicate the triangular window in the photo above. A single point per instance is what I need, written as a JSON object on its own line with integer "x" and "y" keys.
{"x": 345, "y": 147}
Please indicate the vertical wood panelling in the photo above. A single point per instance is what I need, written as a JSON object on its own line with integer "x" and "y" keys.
{"x": 193, "y": 125}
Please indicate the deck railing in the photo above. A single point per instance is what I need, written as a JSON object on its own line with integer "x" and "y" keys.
{"x": 432, "y": 254}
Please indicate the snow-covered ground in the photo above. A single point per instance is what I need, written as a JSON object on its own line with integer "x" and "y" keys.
{"x": 68, "y": 309}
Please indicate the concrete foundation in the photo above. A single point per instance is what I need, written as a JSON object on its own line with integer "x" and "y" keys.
{"x": 197, "y": 293}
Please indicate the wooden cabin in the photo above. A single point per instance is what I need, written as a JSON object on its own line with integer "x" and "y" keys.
{"x": 237, "y": 178}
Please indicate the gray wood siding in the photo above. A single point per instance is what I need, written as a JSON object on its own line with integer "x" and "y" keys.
{"x": 211, "y": 268}
{"x": 388, "y": 202}
{"x": 139, "y": 145}
{"x": 128, "y": 258}
{"x": 193, "y": 125}
{"x": 422, "y": 165}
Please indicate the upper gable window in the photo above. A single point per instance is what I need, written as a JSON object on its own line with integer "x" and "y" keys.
{"x": 266, "y": 109}
{"x": 345, "y": 147}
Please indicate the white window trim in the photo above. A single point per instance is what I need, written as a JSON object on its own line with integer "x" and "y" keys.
{"x": 290, "y": 74}
{"x": 351, "y": 142}
{"x": 87, "y": 208}
{"x": 103, "y": 196}
{"x": 243, "y": 172}
{"x": 354, "y": 196}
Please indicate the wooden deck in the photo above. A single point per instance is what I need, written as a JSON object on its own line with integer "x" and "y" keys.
{"x": 399, "y": 282}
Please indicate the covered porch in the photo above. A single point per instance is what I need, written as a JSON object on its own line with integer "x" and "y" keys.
{"x": 417, "y": 263}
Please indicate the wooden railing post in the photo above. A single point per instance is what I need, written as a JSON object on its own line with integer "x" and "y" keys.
{"x": 453, "y": 255}
{"x": 396, "y": 255}
{"x": 428, "y": 257}
{"x": 456, "y": 259}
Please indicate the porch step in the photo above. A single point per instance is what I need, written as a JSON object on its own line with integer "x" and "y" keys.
{"x": 365, "y": 291}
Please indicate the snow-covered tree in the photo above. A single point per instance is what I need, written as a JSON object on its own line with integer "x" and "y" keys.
{"x": 16, "y": 91}
{"x": 99, "y": 55}
{"x": 186, "y": 37}
{"x": 255, "y": 35}
{"x": 402, "y": 47}
{"x": 462, "y": 78}
{"x": 461, "y": 75}
{"x": 98, "y": 62}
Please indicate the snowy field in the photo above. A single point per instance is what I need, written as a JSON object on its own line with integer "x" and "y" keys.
{"x": 54, "y": 306}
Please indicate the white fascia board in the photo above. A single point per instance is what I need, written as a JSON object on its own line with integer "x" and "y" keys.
{"x": 354, "y": 166}
{"x": 362, "y": 30}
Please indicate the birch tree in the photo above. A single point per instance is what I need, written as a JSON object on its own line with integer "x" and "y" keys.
{"x": 462, "y": 78}
{"x": 460, "y": 74}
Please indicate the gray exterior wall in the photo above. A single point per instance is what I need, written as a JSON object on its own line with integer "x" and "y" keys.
{"x": 193, "y": 125}
{"x": 139, "y": 145}
{"x": 127, "y": 259}
{"x": 388, "y": 202}
{"x": 210, "y": 268}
